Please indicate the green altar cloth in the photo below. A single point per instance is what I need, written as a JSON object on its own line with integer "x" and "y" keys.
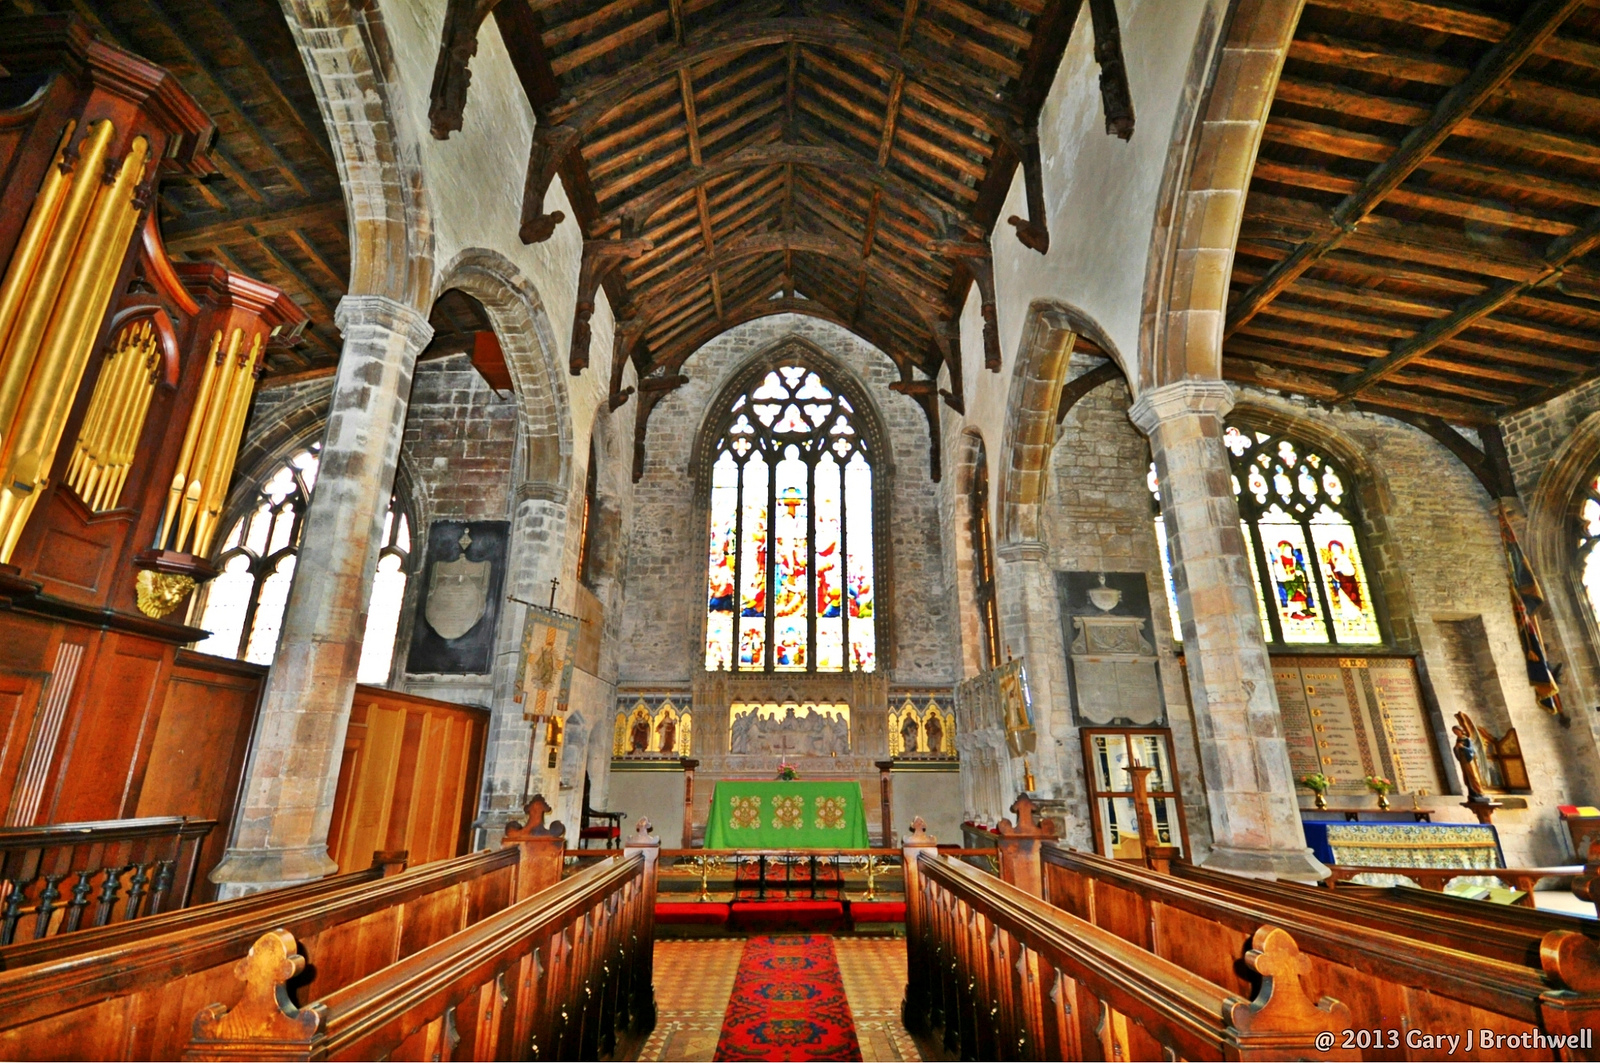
{"x": 786, "y": 815}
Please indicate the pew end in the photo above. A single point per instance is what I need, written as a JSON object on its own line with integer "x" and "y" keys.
{"x": 264, "y": 1024}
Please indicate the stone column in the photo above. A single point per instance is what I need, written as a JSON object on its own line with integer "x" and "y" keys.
{"x": 1255, "y": 818}
{"x": 281, "y": 831}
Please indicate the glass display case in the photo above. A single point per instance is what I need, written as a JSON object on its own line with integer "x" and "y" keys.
{"x": 1108, "y": 754}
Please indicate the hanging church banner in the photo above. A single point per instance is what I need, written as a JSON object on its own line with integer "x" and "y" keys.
{"x": 458, "y": 607}
{"x": 544, "y": 668}
{"x": 1114, "y": 672}
{"x": 999, "y": 699}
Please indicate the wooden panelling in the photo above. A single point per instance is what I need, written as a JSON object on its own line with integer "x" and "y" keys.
{"x": 409, "y": 779}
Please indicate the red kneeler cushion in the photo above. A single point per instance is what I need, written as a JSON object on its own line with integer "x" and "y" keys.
{"x": 785, "y": 913}
{"x": 693, "y": 913}
{"x": 599, "y": 832}
{"x": 877, "y": 911}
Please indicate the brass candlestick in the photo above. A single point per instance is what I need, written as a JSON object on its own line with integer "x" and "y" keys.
{"x": 1027, "y": 776}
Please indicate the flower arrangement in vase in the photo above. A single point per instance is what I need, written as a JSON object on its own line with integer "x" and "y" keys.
{"x": 786, "y": 772}
{"x": 1318, "y": 784}
{"x": 1382, "y": 787}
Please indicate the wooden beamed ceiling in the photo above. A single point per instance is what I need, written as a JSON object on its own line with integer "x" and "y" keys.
{"x": 1421, "y": 227}
{"x": 729, "y": 159}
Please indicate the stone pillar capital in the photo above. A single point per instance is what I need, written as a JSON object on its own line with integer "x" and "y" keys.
{"x": 1156, "y": 406}
{"x": 1022, "y": 550}
{"x": 381, "y": 312}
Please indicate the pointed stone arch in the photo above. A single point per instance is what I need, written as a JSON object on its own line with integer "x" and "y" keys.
{"x": 523, "y": 327}
{"x": 1217, "y": 131}
{"x": 351, "y": 67}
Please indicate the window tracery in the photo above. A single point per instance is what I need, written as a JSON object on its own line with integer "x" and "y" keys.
{"x": 791, "y": 584}
{"x": 244, "y": 605}
{"x": 1296, "y": 517}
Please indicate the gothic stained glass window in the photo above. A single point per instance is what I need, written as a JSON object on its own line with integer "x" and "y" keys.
{"x": 1589, "y": 545}
{"x": 1305, "y": 556}
{"x": 243, "y": 607}
{"x": 791, "y": 580}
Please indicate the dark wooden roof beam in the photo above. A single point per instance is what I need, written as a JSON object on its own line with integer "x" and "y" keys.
{"x": 1561, "y": 252}
{"x": 248, "y": 227}
{"x": 1539, "y": 22}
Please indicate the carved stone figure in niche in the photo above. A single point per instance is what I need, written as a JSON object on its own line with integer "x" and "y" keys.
{"x": 817, "y": 732}
{"x": 935, "y": 732}
{"x": 667, "y": 731}
{"x": 641, "y": 735}
{"x": 908, "y": 734}
{"x": 1467, "y": 756}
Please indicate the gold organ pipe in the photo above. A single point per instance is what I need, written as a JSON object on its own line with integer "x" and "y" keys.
{"x": 180, "y": 475}
{"x": 215, "y": 414}
{"x": 133, "y": 424}
{"x": 35, "y": 238}
{"x": 216, "y": 489}
{"x": 109, "y": 398}
{"x": 110, "y": 431}
{"x": 65, "y": 351}
{"x": 82, "y": 451}
{"x": 44, "y": 285}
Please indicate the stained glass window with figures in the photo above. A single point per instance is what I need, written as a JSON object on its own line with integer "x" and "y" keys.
{"x": 1297, "y": 518}
{"x": 792, "y": 576}
{"x": 1589, "y": 545}
{"x": 243, "y": 606}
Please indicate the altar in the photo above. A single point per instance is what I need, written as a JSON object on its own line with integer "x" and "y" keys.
{"x": 786, "y": 815}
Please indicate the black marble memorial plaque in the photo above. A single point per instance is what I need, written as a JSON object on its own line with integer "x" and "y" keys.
{"x": 458, "y": 603}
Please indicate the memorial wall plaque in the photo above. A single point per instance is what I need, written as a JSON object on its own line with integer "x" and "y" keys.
{"x": 1114, "y": 672}
{"x": 458, "y": 609}
{"x": 1350, "y": 717}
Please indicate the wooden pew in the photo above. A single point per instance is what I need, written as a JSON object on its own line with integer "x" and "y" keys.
{"x": 1470, "y": 926}
{"x": 55, "y": 879}
{"x": 1389, "y": 980}
{"x": 554, "y": 976}
{"x": 134, "y": 999}
{"x": 1008, "y": 976}
{"x": 60, "y": 946}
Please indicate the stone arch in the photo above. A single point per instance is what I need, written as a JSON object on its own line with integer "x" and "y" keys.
{"x": 520, "y": 321}
{"x": 1207, "y": 177}
{"x": 1552, "y": 510}
{"x": 1375, "y": 504}
{"x": 1043, "y": 359}
{"x": 969, "y": 454}
{"x": 351, "y": 67}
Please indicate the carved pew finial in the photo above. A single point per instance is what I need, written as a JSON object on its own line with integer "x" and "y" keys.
{"x": 265, "y": 1023}
{"x": 533, "y": 826}
{"x": 1027, "y": 824}
{"x": 1281, "y": 1005}
{"x": 919, "y": 834}
{"x": 642, "y": 831}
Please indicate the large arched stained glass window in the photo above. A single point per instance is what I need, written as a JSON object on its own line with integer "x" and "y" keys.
{"x": 244, "y": 605}
{"x": 792, "y": 585}
{"x": 1306, "y": 561}
{"x": 1589, "y": 545}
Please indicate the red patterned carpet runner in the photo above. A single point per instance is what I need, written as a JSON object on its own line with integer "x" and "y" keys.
{"x": 788, "y": 1003}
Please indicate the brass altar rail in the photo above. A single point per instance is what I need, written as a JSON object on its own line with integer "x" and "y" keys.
{"x": 70, "y": 876}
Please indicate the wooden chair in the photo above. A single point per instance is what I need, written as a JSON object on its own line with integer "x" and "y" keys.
{"x": 596, "y": 824}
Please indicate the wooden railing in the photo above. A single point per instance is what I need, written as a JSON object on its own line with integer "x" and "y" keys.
{"x": 554, "y": 976}
{"x": 1461, "y": 975}
{"x": 133, "y": 999}
{"x": 70, "y": 876}
{"x": 61, "y": 946}
{"x": 1006, "y": 976}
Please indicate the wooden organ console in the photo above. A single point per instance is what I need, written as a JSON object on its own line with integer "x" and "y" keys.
{"x": 125, "y": 383}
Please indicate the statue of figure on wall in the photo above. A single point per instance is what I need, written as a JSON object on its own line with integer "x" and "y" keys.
{"x": 935, "y": 731}
{"x": 641, "y": 735}
{"x": 667, "y": 731}
{"x": 739, "y": 740}
{"x": 1467, "y": 756}
{"x": 841, "y": 734}
{"x": 909, "y": 734}
{"x": 818, "y": 733}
